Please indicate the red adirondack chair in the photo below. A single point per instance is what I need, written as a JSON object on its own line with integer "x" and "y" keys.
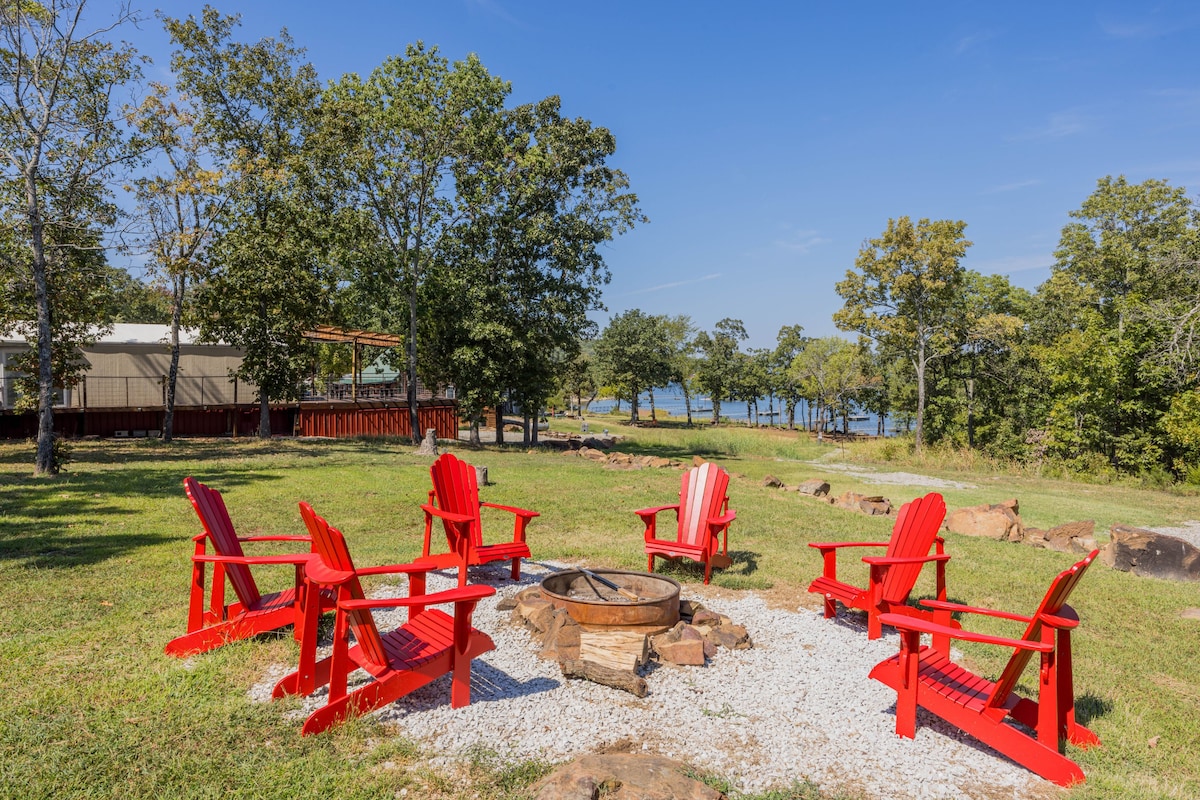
{"x": 454, "y": 500}
{"x": 254, "y": 612}
{"x": 431, "y": 644}
{"x": 893, "y": 575}
{"x": 925, "y": 676}
{"x": 702, "y": 521}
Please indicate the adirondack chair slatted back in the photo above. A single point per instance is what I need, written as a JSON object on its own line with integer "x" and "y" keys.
{"x": 330, "y": 544}
{"x": 700, "y": 497}
{"x": 210, "y": 507}
{"x": 1056, "y": 597}
{"x": 457, "y": 490}
{"x": 916, "y": 527}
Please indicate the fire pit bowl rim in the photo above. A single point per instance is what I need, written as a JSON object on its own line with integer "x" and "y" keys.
{"x": 572, "y": 572}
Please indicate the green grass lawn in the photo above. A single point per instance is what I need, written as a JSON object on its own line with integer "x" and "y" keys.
{"x": 94, "y": 570}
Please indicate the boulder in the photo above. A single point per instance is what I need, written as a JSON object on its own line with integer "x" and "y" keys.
{"x": 735, "y": 637}
{"x": 998, "y": 521}
{"x": 1070, "y": 537}
{"x": 815, "y": 487}
{"x": 592, "y": 453}
{"x": 875, "y": 506}
{"x": 697, "y": 461}
{"x": 658, "y": 462}
{"x": 562, "y": 638}
{"x": 771, "y": 482}
{"x": 622, "y": 776}
{"x": 685, "y": 652}
{"x": 849, "y": 500}
{"x": 1151, "y": 555}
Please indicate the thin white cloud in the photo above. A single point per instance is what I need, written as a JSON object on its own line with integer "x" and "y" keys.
{"x": 970, "y": 41}
{"x": 674, "y": 285}
{"x": 1012, "y": 187}
{"x": 1060, "y": 125}
{"x": 496, "y": 10}
{"x": 801, "y": 241}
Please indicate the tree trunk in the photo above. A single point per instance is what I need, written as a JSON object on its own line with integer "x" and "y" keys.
{"x": 173, "y": 373}
{"x": 44, "y": 458}
{"x": 414, "y": 422}
{"x": 500, "y": 423}
{"x": 750, "y": 418}
{"x": 716, "y": 411}
{"x": 264, "y": 416}
{"x": 687, "y": 402}
{"x": 971, "y": 413}
{"x": 791, "y": 414}
{"x": 525, "y": 427}
{"x": 919, "y": 435}
{"x": 473, "y": 436}
{"x": 633, "y": 406}
{"x": 653, "y": 410}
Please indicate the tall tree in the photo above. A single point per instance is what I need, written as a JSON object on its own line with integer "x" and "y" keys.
{"x": 1116, "y": 279}
{"x": 905, "y": 293}
{"x": 268, "y": 280}
{"x": 61, "y": 144}
{"x": 681, "y": 344}
{"x": 789, "y": 342}
{"x": 178, "y": 199}
{"x": 633, "y": 355}
{"x": 407, "y": 127}
{"x": 717, "y": 373}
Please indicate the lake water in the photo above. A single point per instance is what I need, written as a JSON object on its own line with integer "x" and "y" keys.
{"x": 671, "y": 401}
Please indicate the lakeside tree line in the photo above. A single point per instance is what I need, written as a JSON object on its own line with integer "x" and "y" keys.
{"x": 1096, "y": 371}
{"x": 415, "y": 200}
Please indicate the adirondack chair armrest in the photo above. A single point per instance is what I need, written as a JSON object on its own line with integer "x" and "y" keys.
{"x": 396, "y": 569}
{"x": 902, "y": 622}
{"x": 293, "y": 558}
{"x": 473, "y": 593}
{"x": 449, "y": 516}
{"x": 824, "y": 546}
{"x": 1066, "y": 618}
{"x": 723, "y": 520}
{"x": 647, "y": 513}
{"x": 943, "y": 605}
{"x": 317, "y": 572}
{"x": 887, "y": 561}
{"x": 520, "y": 512}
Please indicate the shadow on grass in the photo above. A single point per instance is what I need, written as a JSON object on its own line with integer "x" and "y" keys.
{"x": 1089, "y": 707}
{"x": 735, "y": 576}
{"x": 49, "y": 550}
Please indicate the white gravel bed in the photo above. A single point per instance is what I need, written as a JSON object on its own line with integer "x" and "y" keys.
{"x": 1188, "y": 531}
{"x": 867, "y": 475}
{"x": 799, "y": 705}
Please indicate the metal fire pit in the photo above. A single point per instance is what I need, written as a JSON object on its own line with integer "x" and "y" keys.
{"x": 597, "y": 607}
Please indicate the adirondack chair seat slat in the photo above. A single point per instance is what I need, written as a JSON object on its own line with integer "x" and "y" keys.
{"x": 925, "y": 676}
{"x": 891, "y": 577}
{"x": 702, "y": 520}
{"x": 454, "y": 500}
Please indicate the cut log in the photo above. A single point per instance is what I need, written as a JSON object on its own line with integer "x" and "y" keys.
{"x": 616, "y": 649}
{"x": 624, "y": 680}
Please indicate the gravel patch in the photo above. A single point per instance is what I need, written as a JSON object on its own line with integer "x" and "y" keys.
{"x": 892, "y": 478}
{"x": 1188, "y": 531}
{"x": 799, "y": 705}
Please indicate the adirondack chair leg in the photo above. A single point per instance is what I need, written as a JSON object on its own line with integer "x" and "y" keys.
{"x": 516, "y": 569}
{"x": 906, "y": 696}
{"x": 216, "y": 605}
{"x": 460, "y": 686}
{"x": 306, "y": 670}
{"x": 340, "y": 661}
{"x": 650, "y": 563}
{"x": 1073, "y": 732}
{"x": 707, "y": 570}
{"x": 1048, "y": 729}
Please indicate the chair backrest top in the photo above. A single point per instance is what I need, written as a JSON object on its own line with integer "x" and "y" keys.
{"x": 210, "y": 508}
{"x": 330, "y": 545}
{"x": 916, "y": 528}
{"x": 1056, "y": 597}
{"x": 457, "y": 490}
{"x": 701, "y": 495}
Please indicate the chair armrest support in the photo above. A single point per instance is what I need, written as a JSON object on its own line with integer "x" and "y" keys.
{"x": 835, "y": 545}
{"x": 520, "y": 512}
{"x": 901, "y": 622}
{"x": 287, "y": 538}
{"x": 942, "y": 605}
{"x": 473, "y": 593}
{"x": 293, "y": 558}
{"x": 650, "y": 519}
{"x": 457, "y": 519}
{"x": 885, "y": 561}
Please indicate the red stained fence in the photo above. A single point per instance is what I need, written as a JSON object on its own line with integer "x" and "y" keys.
{"x": 324, "y": 419}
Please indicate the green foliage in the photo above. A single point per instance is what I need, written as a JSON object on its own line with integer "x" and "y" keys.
{"x": 906, "y": 293}
{"x": 634, "y": 354}
{"x": 717, "y": 370}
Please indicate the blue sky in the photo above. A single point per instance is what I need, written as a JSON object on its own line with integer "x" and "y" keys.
{"x": 768, "y": 140}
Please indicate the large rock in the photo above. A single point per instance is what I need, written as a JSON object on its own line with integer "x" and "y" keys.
{"x": 1070, "y": 537}
{"x": 1151, "y": 555}
{"x": 623, "y": 776}
{"x": 815, "y": 487}
{"x": 771, "y": 482}
{"x": 999, "y": 521}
